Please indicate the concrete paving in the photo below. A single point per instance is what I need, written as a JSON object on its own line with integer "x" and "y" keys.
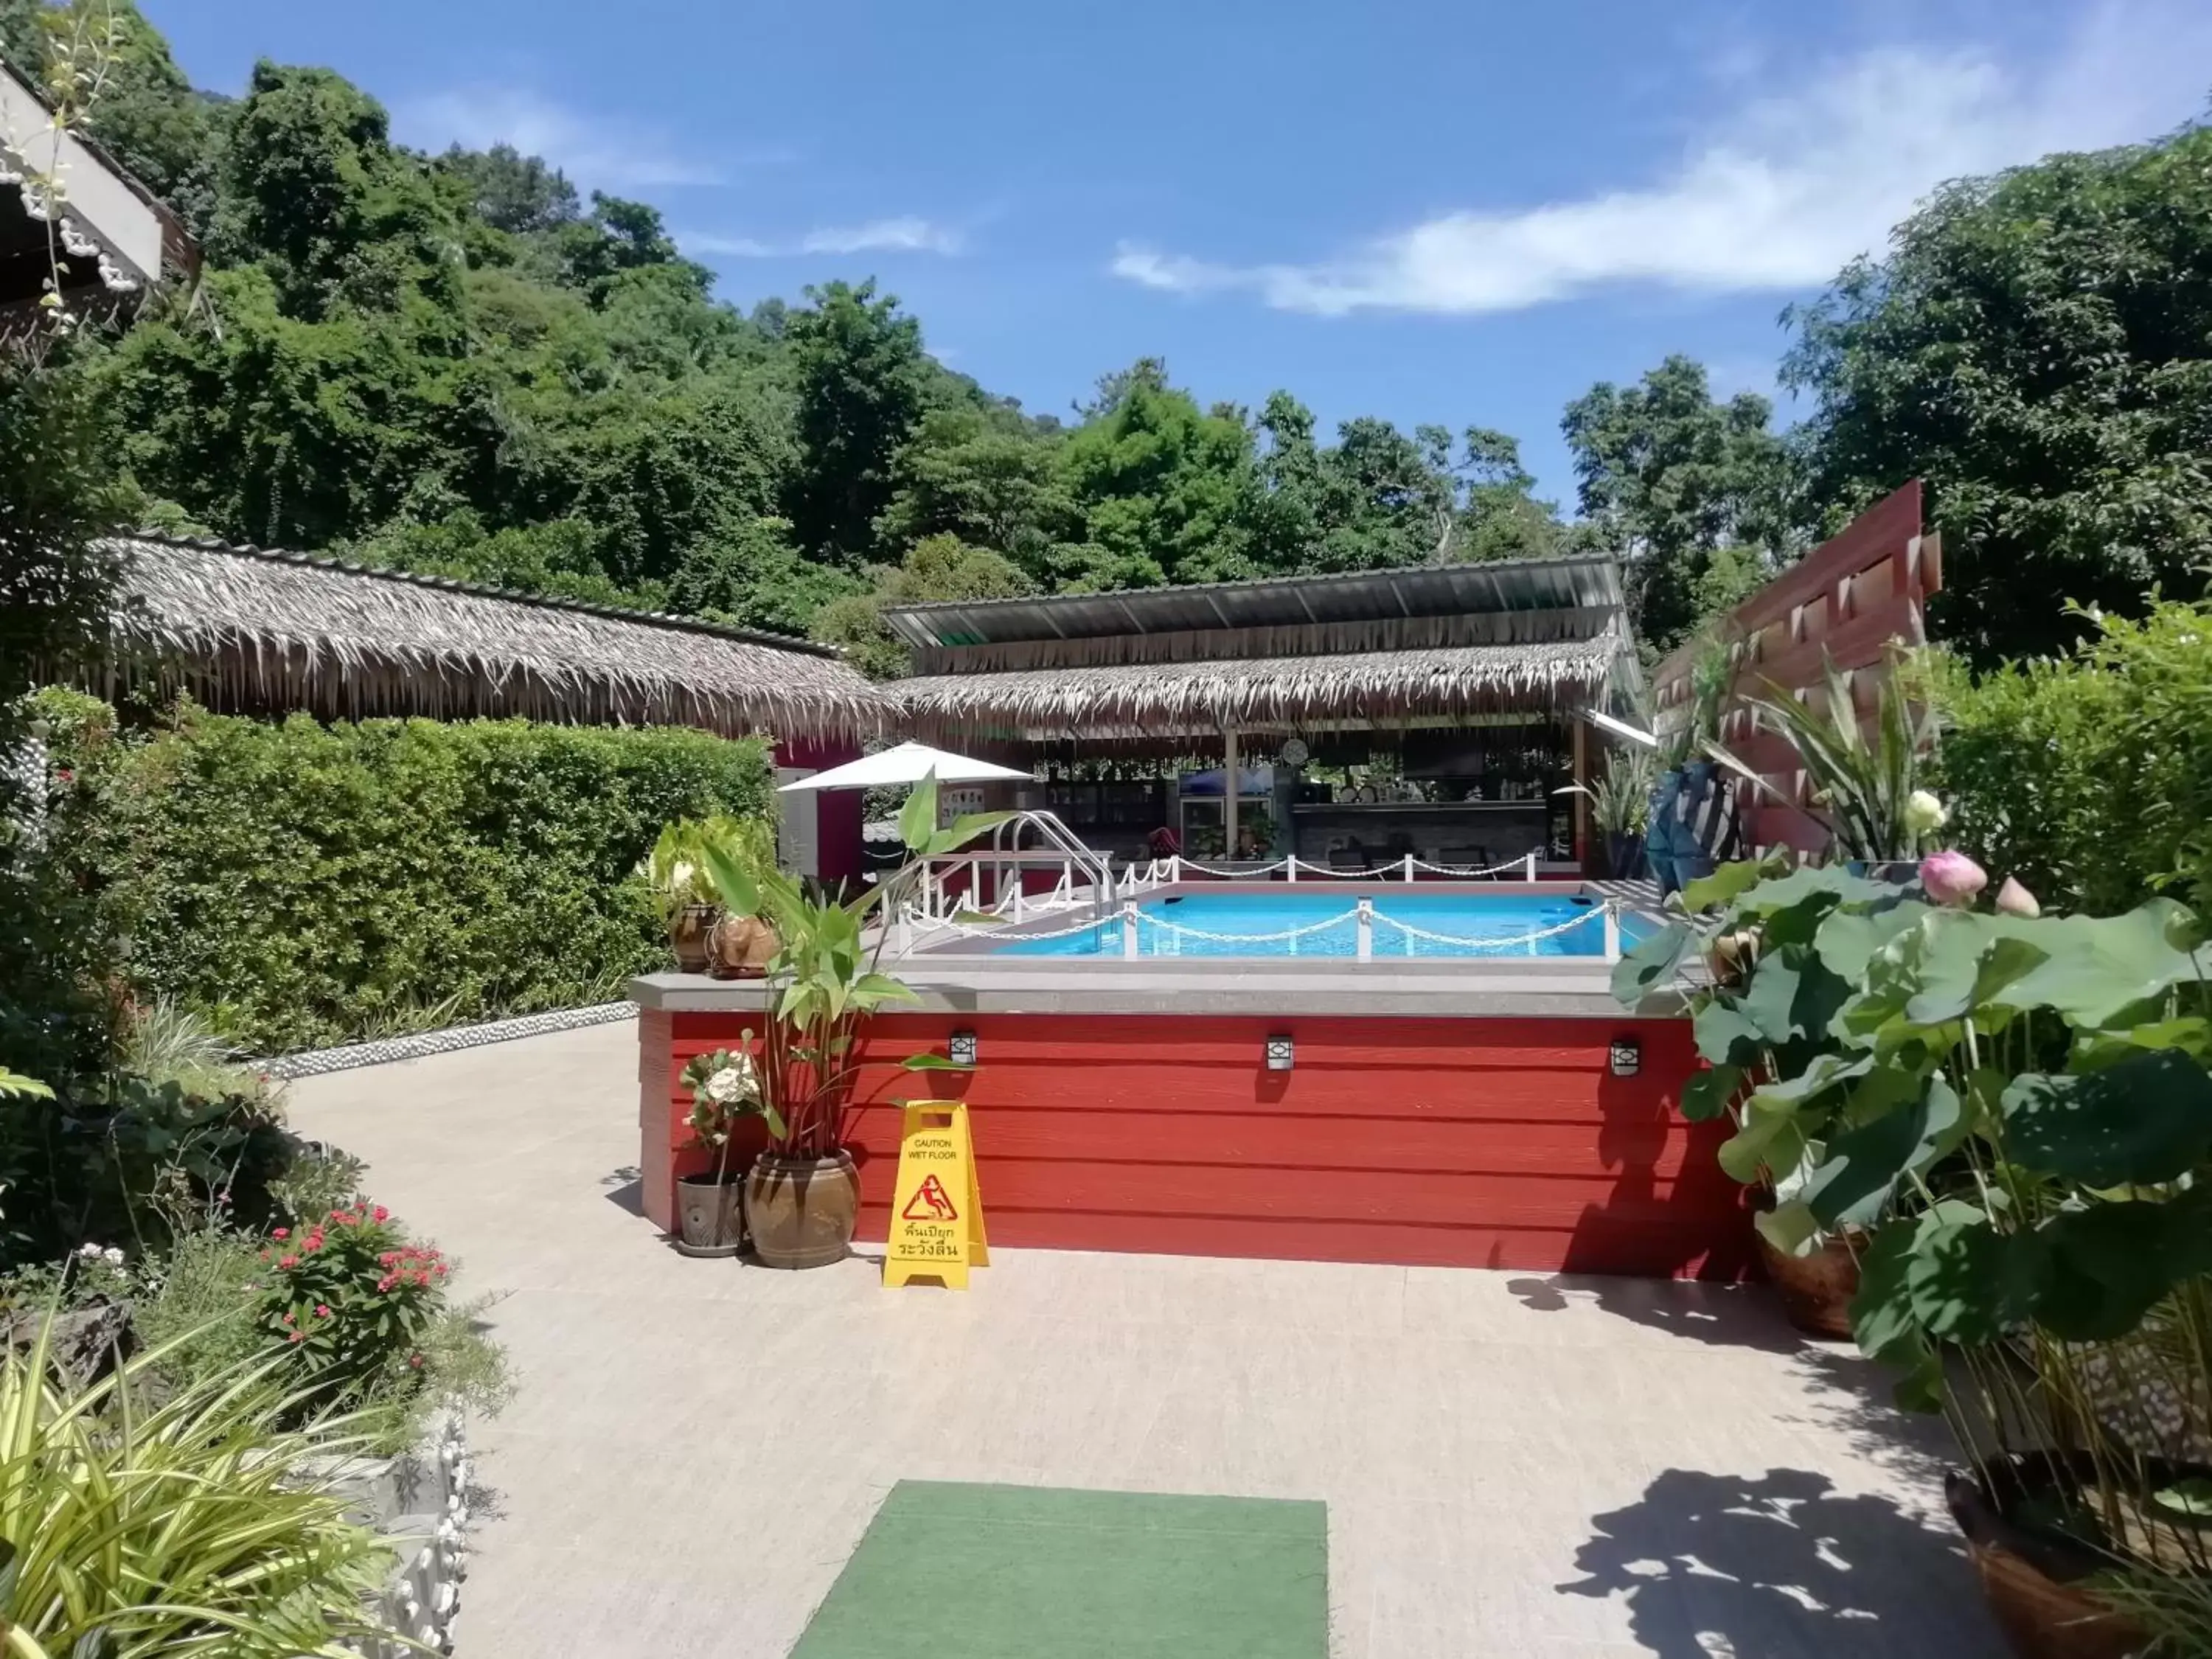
{"x": 1514, "y": 1464}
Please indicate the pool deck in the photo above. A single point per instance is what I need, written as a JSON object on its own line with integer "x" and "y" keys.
{"x": 1523, "y": 1466}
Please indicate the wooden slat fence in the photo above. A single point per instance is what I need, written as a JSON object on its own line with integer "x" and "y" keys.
{"x": 1845, "y": 602}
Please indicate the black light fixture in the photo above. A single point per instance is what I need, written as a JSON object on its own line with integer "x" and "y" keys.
{"x": 960, "y": 1048}
{"x": 1281, "y": 1053}
{"x": 1626, "y": 1056}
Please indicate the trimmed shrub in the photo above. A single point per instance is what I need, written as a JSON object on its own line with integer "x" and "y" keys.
{"x": 2090, "y": 777}
{"x": 302, "y": 885}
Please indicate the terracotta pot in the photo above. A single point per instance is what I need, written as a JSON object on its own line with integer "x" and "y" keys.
{"x": 740, "y": 947}
{"x": 1817, "y": 1289}
{"x": 707, "y": 1215}
{"x": 801, "y": 1210}
{"x": 2031, "y": 1579}
{"x": 687, "y": 936}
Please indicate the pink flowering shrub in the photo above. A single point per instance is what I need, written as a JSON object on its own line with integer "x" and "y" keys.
{"x": 355, "y": 1298}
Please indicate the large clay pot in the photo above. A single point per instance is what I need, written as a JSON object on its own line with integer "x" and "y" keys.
{"x": 687, "y": 936}
{"x": 2031, "y": 1580}
{"x": 740, "y": 947}
{"x": 1816, "y": 1288}
{"x": 708, "y": 1218}
{"x": 801, "y": 1210}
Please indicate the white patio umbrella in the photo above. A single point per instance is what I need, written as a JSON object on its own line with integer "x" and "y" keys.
{"x": 910, "y": 763}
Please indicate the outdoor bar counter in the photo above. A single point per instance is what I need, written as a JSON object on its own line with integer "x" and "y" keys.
{"x": 1496, "y": 1114}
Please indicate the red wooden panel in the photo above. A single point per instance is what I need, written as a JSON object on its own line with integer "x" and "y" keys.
{"x": 1262, "y": 1141}
{"x": 1469, "y": 1141}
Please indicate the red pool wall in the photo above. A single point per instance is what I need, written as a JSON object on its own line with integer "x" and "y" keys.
{"x": 1482, "y": 1142}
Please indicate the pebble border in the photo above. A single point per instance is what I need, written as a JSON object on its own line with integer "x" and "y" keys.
{"x": 314, "y": 1062}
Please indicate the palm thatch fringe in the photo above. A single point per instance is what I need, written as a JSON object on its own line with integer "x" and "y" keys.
{"x": 1373, "y": 688}
{"x": 1374, "y": 634}
{"x": 241, "y": 627}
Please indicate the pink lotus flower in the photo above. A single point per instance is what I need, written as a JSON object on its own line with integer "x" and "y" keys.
{"x": 1952, "y": 877}
{"x": 2014, "y": 899}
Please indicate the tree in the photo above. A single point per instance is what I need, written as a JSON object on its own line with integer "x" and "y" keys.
{"x": 2037, "y": 347}
{"x": 1166, "y": 491}
{"x": 935, "y": 568}
{"x": 510, "y": 192}
{"x": 1500, "y": 517}
{"x": 314, "y": 192}
{"x": 1669, "y": 476}
{"x": 861, "y": 382}
{"x": 985, "y": 476}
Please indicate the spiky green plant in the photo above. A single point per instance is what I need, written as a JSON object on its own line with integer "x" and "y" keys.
{"x": 1861, "y": 783}
{"x": 196, "y": 1526}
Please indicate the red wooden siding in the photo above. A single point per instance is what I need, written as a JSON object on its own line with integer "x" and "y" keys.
{"x": 1465, "y": 1142}
{"x": 1844, "y": 602}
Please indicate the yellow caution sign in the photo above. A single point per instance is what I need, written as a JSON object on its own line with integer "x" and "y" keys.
{"x": 937, "y": 1216}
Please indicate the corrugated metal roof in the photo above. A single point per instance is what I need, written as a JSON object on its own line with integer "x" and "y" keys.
{"x": 1577, "y": 582}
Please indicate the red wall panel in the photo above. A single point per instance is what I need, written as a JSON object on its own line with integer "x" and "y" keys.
{"x": 1468, "y": 1142}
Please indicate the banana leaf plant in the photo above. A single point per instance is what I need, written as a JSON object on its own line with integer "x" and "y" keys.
{"x": 824, "y": 981}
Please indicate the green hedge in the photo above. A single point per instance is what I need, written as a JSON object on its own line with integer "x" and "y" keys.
{"x": 2090, "y": 777}
{"x": 305, "y": 885}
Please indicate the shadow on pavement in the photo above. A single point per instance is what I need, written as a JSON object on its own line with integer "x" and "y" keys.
{"x": 1728, "y": 1316}
{"x": 1780, "y": 1565}
{"x": 626, "y": 1188}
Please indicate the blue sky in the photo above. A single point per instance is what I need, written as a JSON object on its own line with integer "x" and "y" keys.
{"x": 1459, "y": 213}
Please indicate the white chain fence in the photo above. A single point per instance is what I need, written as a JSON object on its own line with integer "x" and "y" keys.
{"x": 1459, "y": 941}
{"x": 1298, "y": 868}
{"x": 1286, "y": 936}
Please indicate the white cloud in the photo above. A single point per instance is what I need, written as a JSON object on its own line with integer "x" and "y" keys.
{"x": 901, "y": 235}
{"x": 610, "y": 152}
{"x": 1777, "y": 194}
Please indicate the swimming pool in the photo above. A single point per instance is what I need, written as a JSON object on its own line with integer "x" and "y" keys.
{"x": 1276, "y": 923}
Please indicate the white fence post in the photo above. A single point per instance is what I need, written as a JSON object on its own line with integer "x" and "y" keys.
{"x": 1129, "y": 931}
{"x": 1017, "y": 894}
{"x": 1366, "y": 925}
{"x": 1612, "y": 931}
{"x": 1290, "y": 866}
{"x": 1409, "y": 868}
{"x": 1531, "y": 876}
{"x": 1175, "y": 866}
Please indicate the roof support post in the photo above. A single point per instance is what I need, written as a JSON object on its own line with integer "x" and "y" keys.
{"x": 1231, "y": 787}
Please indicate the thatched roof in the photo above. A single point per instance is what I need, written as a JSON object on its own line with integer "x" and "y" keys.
{"x": 1142, "y": 700}
{"x": 244, "y": 628}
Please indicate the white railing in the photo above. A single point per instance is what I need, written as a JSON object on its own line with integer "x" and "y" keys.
{"x": 1127, "y": 932}
{"x": 1162, "y": 873}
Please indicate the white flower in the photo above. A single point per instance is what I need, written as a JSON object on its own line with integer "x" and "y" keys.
{"x": 1924, "y": 814}
{"x": 89, "y": 1252}
{"x": 729, "y": 1083}
{"x": 112, "y": 1256}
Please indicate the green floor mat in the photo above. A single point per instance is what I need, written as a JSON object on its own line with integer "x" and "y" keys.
{"x": 1032, "y": 1573}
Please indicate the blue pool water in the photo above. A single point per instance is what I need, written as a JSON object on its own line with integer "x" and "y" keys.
{"x": 1251, "y": 923}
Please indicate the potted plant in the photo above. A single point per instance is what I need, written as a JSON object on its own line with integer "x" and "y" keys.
{"x": 2020, "y": 1109}
{"x": 802, "y": 1194}
{"x": 742, "y": 942}
{"x": 681, "y": 888}
{"x": 723, "y": 1088}
{"x": 1620, "y": 807}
